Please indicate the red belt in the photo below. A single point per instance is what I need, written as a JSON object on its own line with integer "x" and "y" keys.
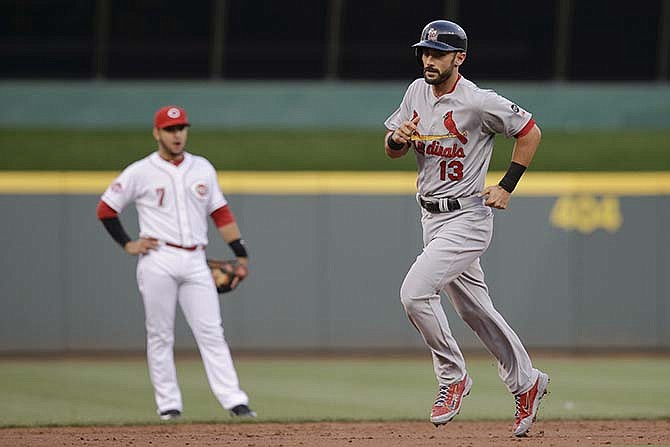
{"x": 193, "y": 248}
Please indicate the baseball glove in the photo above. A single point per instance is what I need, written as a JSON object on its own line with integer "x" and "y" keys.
{"x": 227, "y": 274}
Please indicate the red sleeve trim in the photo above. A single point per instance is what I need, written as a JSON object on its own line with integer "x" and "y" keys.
{"x": 222, "y": 216}
{"x": 105, "y": 211}
{"x": 527, "y": 128}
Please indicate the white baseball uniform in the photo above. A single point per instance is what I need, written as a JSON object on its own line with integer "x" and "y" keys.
{"x": 173, "y": 203}
{"x": 453, "y": 149}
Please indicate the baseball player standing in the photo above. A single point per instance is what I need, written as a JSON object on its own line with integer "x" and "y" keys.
{"x": 174, "y": 192}
{"x": 450, "y": 125}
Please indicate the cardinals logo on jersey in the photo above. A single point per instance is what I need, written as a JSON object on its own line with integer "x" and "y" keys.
{"x": 450, "y": 124}
{"x": 417, "y": 134}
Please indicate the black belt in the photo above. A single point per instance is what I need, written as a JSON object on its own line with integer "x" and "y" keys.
{"x": 448, "y": 204}
{"x": 434, "y": 206}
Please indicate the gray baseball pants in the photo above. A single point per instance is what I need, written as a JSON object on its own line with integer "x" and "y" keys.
{"x": 453, "y": 243}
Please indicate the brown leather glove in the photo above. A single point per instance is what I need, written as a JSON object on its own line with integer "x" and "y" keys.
{"x": 227, "y": 274}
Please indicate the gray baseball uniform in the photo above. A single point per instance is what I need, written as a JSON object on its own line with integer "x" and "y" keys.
{"x": 453, "y": 149}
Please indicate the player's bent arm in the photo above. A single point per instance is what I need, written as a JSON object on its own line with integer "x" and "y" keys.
{"x": 397, "y": 142}
{"x": 391, "y": 151}
{"x": 110, "y": 220}
{"x": 498, "y": 196}
{"x": 526, "y": 146}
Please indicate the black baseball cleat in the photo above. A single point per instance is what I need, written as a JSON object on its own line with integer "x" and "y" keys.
{"x": 242, "y": 411}
{"x": 169, "y": 415}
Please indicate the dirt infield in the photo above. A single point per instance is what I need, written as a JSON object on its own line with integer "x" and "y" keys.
{"x": 368, "y": 434}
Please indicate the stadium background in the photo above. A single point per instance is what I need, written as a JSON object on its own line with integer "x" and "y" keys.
{"x": 328, "y": 39}
{"x": 288, "y": 100}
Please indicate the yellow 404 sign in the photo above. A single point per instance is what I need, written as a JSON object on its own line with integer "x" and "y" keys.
{"x": 586, "y": 213}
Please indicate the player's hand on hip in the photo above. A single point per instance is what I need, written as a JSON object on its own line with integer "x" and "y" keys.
{"x": 403, "y": 134}
{"x": 141, "y": 246}
{"x": 496, "y": 197}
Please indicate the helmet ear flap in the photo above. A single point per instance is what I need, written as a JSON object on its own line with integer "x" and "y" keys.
{"x": 418, "y": 52}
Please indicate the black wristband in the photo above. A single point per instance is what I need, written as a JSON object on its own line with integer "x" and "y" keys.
{"x": 238, "y": 248}
{"x": 392, "y": 144}
{"x": 512, "y": 177}
{"x": 115, "y": 229}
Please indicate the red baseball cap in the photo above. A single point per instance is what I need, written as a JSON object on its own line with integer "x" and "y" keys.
{"x": 170, "y": 116}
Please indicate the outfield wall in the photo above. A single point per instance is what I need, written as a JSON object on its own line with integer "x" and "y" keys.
{"x": 577, "y": 262}
{"x": 299, "y": 105}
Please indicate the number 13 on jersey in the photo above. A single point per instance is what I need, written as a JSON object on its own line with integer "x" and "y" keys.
{"x": 453, "y": 170}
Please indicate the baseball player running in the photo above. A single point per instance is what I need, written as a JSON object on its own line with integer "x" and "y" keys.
{"x": 174, "y": 192}
{"x": 450, "y": 125}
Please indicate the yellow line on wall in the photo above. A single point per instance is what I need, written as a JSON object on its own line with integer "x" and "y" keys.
{"x": 356, "y": 183}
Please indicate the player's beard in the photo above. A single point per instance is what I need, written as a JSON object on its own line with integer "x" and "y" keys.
{"x": 441, "y": 76}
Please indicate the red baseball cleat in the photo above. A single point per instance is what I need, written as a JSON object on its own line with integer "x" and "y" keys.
{"x": 448, "y": 402}
{"x": 527, "y": 405}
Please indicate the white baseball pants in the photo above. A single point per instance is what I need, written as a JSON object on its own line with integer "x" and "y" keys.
{"x": 169, "y": 275}
{"x": 453, "y": 243}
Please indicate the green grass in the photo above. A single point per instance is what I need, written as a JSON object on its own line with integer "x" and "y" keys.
{"x": 39, "y": 149}
{"x": 69, "y": 392}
